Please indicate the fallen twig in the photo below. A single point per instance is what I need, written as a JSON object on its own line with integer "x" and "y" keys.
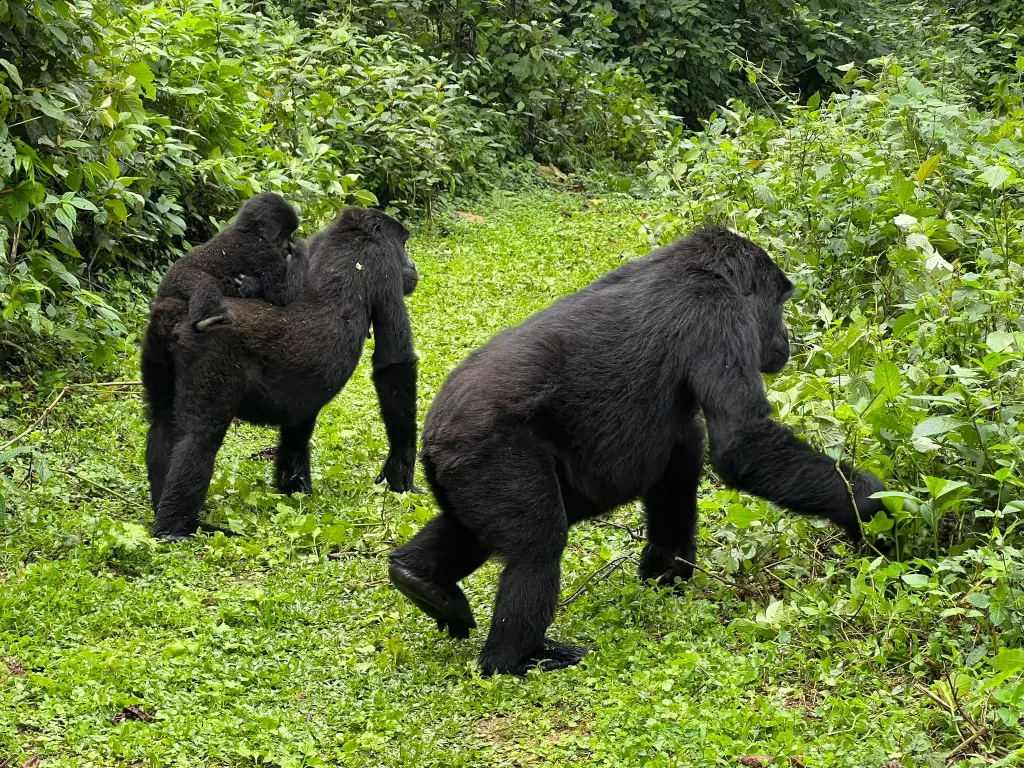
{"x": 601, "y": 573}
{"x": 35, "y": 423}
{"x": 108, "y": 384}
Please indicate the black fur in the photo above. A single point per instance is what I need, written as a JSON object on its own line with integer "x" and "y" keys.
{"x": 595, "y": 402}
{"x": 256, "y": 257}
{"x": 280, "y": 366}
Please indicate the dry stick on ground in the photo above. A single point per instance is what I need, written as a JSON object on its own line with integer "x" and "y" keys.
{"x": 607, "y": 568}
{"x": 632, "y": 533}
{"x": 715, "y": 576}
{"x": 108, "y": 384}
{"x": 35, "y": 423}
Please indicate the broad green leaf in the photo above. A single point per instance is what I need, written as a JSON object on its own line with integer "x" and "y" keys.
{"x": 12, "y": 71}
{"x": 1008, "y": 660}
{"x": 915, "y": 580}
{"x": 995, "y": 176}
{"x": 47, "y": 107}
{"x": 998, "y": 341}
{"x": 904, "y": 221}
{"x": 927, "y": 168}
{"x": 143, "y": 76}
{"x": 888, "y": 379}
{"x": 742, "y": 515}
{"x": 937, "y": 425}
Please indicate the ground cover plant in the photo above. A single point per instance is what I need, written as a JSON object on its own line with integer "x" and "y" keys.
{"x": 895, "y": 206}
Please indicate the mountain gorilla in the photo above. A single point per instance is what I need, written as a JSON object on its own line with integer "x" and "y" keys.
{"x": 594, "y": 402}
{"x": 280, "y": 366}
{"x": 256, "y": 257}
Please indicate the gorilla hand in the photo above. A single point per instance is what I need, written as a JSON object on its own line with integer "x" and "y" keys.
{"x": 398, "y": 471}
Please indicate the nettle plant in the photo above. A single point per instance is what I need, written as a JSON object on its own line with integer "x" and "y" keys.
{"x": 896, "y": 212}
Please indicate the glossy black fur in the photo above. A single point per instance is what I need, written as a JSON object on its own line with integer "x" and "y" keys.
{"x": 595, "y": 402}
{"x": 256, "y": 257}
{"x": 280, "y": 365}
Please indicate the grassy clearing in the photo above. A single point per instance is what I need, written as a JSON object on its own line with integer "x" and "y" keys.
{"x": 289, "y": 648}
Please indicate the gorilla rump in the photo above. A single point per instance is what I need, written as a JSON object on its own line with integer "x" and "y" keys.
{"x": 256, "y": 257}
{"x": 594, "y": 402}
{"x": 280, "y": 366}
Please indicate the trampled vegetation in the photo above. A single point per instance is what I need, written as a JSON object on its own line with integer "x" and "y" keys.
{"x": 877, "y": 152}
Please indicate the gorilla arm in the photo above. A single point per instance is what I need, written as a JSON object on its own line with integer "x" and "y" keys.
{"x": 394, "y": 378}
{"x": 755, "y": 454}
{"x": 286, "y": 277}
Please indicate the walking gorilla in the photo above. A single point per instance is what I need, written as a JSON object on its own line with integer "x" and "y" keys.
{"x": 280, "y": 366}
{"x": 594, "y": 402}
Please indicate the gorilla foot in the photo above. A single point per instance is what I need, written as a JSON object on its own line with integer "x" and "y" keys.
{"x": 211, "y": 528}
{"x": 446, "y": 605}
{"x": 181, "y": 534}
{"x": 551, "y": 655}
{"x": 554, "y": 655}
{"x": 663, "y": 566}
{"x": 209, "y": 322}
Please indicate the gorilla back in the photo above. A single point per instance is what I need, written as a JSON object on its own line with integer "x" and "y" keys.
{"x": 594, "y": 402}
{"x": 280, "y": 366}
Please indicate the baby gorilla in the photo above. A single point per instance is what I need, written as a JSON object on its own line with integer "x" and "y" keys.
{"x": 256, "y": 257}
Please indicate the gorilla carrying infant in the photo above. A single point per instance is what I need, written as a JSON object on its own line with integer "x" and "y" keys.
{"x": 276, "y": 365}
{"x": 594, "y": 402}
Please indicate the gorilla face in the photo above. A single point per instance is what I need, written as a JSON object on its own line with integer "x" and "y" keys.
{"x": 410, "y": 277}
{"x": 774, "y": 333}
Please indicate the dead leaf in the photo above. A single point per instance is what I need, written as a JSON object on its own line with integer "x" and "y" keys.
{"x": 14, "y": 669}
{"x": 470, "y": 217}
{"x": 133, "y": 713}
{"x": 550, "y": 170}
{"x": 265, "y": 455}
{"x": 762, "y": 761}
{"x": 32, "y": 762}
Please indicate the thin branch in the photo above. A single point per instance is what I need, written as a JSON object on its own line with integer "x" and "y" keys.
{"x": 35, "y": 423}
{"x": 94, "y": 484}
{"x": 633, "y": 534}
{"x": 706, "y": 572}
{"x": 600, "y": 574}
{"x": 109, "y": 384}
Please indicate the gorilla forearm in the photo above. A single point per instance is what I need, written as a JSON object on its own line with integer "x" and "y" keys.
{"x": 396, "y": 390}
{"x": 766, "y": 459}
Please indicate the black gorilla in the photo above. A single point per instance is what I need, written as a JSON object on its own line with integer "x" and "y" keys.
{"x": 594, "y": 402}
{"x": 256, "y": 257}
{"x": 280, "y": 366}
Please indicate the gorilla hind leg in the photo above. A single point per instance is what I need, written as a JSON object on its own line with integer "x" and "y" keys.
{"x": 428, "y": 568}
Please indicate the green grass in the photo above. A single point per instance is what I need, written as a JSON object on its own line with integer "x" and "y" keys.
{"x": 289, "y": 648}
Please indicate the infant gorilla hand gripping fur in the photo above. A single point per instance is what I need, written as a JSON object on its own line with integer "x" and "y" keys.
{"x": 256, "y": 257}
{"x": 594, "y": 402}
{"x": 280, "y": 366}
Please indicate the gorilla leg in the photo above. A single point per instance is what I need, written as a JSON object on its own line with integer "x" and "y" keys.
{"x": 671, "y": 507}
{"x": 188, "y": 479}
{"x": 292, "y": 464}
{"x": 159, "y": 445}
{"x": 428, "y": 568}
{"x": 521, "y": 516}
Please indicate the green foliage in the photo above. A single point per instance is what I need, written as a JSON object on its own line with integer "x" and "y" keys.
{"x": 686, "y": 49}
{"x": 287, "y": 647}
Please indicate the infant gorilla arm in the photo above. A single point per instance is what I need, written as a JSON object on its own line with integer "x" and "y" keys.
{"x": 257, "y": 256}
{"x": 595, "y": 402}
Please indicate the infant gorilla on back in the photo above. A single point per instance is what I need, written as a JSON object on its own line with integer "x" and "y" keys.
{"x": 256, "y": 257}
